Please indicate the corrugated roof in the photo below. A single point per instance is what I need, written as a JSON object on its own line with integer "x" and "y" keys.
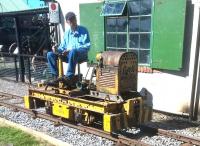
{"x": 18, "y": 5}
{"x": 34, "y": 4}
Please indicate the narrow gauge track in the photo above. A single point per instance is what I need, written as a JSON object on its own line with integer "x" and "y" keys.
{"x": 119, "y": 139}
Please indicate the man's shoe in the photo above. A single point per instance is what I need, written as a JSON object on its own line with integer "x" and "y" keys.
{"x": 53, "y": 82}
{"x": 69, "y": 82}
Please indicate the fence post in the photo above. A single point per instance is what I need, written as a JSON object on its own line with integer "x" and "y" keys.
{"x": 29, "y": 70}
{"x": 21, "y": 59}
{"x": 16, "y": 68}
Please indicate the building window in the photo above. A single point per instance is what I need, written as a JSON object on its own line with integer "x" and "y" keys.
{"x": 132, "y": 30}
{"x": 113, "y": 8}
{"x": 116, "y": 33}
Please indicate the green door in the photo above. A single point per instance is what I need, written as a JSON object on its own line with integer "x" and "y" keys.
{"x": 168, "y": 34}
{"x": 91, "y": 19}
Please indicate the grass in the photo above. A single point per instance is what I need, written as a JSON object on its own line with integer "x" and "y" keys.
{"x": 15, "y": 137}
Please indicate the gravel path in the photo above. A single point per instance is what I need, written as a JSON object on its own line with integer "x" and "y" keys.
{"x": 64, "y": 133}
{"x": 176, "y": 124}
{"x": 14, "y": 88}
{"x": 78, "y": 138}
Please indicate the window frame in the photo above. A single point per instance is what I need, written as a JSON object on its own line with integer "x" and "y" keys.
{"x": 128, "y": 33}
{"x": 113, "y": 2}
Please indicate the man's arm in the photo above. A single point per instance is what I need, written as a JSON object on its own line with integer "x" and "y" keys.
{"x": 85, "y": 40}
{"x": 63, "y": 45}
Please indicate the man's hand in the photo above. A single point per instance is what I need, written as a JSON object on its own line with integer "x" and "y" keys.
{"x": 54, "y": 48}
{"x": 65, "y": 53}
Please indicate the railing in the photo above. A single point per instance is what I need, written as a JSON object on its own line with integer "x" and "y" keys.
{"x": 25, "y": 68}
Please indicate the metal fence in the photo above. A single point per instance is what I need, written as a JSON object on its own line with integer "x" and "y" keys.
{"x": 27, "y": 68}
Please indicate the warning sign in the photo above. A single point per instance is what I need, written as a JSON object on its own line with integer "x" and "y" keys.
{"x": 54, "y": 13}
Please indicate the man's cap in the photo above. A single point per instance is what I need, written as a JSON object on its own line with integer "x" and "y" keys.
{"x": 70, "y": 16}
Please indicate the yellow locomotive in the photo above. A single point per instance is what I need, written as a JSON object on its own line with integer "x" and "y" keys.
{"x": 110, "y": 99}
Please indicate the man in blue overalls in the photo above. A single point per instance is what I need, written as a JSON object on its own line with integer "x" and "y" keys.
{"x": 74, "y": 47}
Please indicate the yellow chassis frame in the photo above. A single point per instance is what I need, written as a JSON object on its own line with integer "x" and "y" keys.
{"x": 97, "y": 106}
{"x": 115, "y": 115}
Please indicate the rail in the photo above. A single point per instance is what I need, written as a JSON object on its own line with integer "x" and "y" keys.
{"x": 120, "y": 139}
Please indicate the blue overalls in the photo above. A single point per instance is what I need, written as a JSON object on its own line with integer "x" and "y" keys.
{"x": 78, "y": 44}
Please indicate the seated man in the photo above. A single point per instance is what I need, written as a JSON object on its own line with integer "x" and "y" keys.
{"x": 74, "y": 47}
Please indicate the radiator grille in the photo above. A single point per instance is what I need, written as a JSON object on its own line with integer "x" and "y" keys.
{"x": 106, "y": 79}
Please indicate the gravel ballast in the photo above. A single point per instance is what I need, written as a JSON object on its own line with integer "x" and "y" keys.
{"x": 76, "y": 137}
{"x": 64, "y": 133}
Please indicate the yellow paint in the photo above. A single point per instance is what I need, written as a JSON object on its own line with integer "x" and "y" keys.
{"x": 86, "y": 117}
{"x": 107, "y": 123}
{"x": 110, "y": 90}
{"x": 98, "y": 56}
{"x": 116, "y": 80}
{"x": 114, "y": 122}
{"x": 129, "y": 108}
{"x": 123, "y": 75}
{"x": 62, "y": 91}
{"x": 40, "y": 84}
{"x": 99, "y": 107}
{"x": 87, "y": 106}
{"x": 60, "y": 71}
{"x": 62, "y": 111}
{"x": 27, "y": 102}
{"x": 60, "y": 67}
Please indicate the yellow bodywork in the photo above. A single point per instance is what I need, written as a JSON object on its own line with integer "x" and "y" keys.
{"x": 27, "y": 102}
{"x": 98, "y": 57}
{"x": 116, "y": 116}
{"x": 134, "y": 110}
{"x": 116, "y": 76}
{"x": 97, "y": 106}
{"x": 114, "y": 122}
{"x": 118, "y": 73}
{"x": 112, "y": 89}
{"x": 60, "y": 71}
{"x": 62, "y": 111}
{"x": 137, "y": 111}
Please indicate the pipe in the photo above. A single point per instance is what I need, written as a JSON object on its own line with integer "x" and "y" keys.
{"x": 194, "y": 81}
{"x": 197, "y": 96}
{"x": 16, "y": 69}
